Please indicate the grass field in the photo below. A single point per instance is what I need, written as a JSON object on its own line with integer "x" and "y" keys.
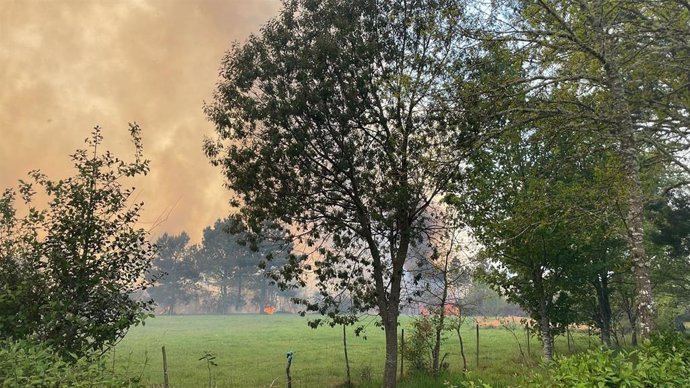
{"x": 251, "y": 351}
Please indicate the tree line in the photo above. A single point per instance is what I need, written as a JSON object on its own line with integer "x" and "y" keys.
{"x": 225, "y": 273}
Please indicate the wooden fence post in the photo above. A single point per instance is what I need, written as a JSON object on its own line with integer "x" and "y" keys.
{"x": 529, "y": 351}
{"x": 287, "y": 370}
{"x": 402, "y": 353}
{"x": 166, "y": 384}
{"x": 589, "y": 337}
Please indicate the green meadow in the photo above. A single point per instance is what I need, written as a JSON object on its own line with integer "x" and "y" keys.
{"x": 250, "y": 351}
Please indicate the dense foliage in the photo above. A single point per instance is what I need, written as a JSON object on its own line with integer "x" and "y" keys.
{"x": 615, "y": 70}
{"x": 553, "y": 236}
{"x": 663, "y": 362}
{"x": 72, "y": 273}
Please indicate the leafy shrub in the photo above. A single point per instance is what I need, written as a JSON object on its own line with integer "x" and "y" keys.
{"x": 672, "y": 342}
{"x": 27, "y": 364}
{"x": 68, "y": 271}
{"x": 418, "y": 346}
{"x": 663, "y": 362}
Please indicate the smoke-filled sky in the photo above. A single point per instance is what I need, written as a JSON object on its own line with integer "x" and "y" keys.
{"x": 68, "y": 65}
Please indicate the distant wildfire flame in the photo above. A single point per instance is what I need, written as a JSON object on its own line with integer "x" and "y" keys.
{"x": 269, "y": 310}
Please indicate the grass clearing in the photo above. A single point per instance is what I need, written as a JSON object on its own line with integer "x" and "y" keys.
{"x": 251, "y": 351}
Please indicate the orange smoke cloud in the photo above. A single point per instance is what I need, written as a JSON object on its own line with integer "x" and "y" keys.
{"x": 70, "y": 65}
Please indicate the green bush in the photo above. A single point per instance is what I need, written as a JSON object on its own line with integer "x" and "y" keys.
{"x": 418, "y": 346}
{"x": 663, "y": 362}
{"x": 27, "y": 364}
{"x": 71, "y": 271}
{"x": 672, "y": 342}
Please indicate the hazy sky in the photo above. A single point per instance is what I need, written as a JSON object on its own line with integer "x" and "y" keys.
{"x": 68, "y": 65}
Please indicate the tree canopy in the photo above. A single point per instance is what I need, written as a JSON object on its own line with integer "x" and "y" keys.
{"x": 344, "y": 121}
{"x": 617, "y": 69}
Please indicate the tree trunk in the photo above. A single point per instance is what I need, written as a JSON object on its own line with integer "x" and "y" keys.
{"x": 544, "y": 317}
{"x": 436, "y": 351}
{"x": 640, "y": 262}
{"x": 633, "y": 323}
{"x": 391, "y": 367}
{"x": 223, "y": 299}
{"x": 262, "y": 297}
{"x": 462, "y": 350}
{"x": 389, "y": 302}
{"x": 544, "y": 321}
{"x": 435, "y": 354}
{"x": 615, "y": 338}
{"x": 547, "y": 339}
{"x": 601, "y": 285}
{"x": 238, "y": 300}
{"x": 641, "y": 266}
{"x": 627, "y": 303}
{"x": 347, "y": 360}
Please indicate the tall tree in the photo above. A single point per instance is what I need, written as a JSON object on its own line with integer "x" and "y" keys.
{"x": 542, "y": 207}
{"x": 343, "y": 120}
{"x": 176, "y": 271}
{"x": 617, "y": 68}
{"x": 227, "y": 263}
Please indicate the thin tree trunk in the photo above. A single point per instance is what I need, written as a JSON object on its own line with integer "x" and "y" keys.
{"x": 435, "y": 354}
{"x": 238, "y": 301}
{"x": 633, "y": 335}
{"x": 615, "y": 339}
{"x": 627, "y": 304}
{"x": 347, "y": 360}
{"x": 221, "y": 306}
{"x": 601, "y": 285}
{"x": 462, "y": 350}
{"x": 392, "y": 305}
{"x": 623, "y": 335}
{"x": 262, "y": 298}
{"x": 544, "y": 317}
